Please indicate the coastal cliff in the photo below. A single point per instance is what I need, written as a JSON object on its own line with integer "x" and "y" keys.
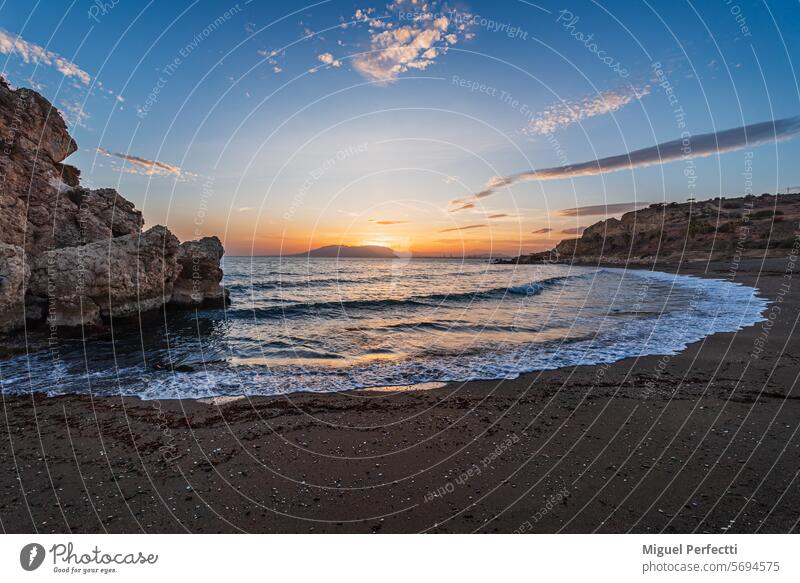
{"x": 714, "y": 229}
{"x": 72, "y": 256}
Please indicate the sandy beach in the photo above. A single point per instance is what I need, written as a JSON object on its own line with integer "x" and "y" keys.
{"x": 702, "y": 441}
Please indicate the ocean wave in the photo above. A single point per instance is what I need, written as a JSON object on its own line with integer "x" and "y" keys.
{"x": 295, "y": 282}
{"x": 589, "y": 319}
{"x": 320, "y": 308}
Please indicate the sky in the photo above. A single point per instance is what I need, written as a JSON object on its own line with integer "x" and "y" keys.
{"x": 433, "y": 128}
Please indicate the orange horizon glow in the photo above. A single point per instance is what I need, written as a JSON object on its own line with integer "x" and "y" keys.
{"x": 494, "y": 241}
{"x": 457, "y": 248}
{"x": 430, "y": 234}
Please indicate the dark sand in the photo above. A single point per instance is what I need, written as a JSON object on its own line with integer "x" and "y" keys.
{"x": 703, "y": 441}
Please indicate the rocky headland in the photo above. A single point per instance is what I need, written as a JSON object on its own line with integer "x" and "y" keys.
{"x": 72, "y": 256}
{"x": 711, "y": 230}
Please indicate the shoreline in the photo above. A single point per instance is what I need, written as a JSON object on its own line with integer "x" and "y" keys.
{"x": 218, "y": 399}
{"x": 608, "y": 448}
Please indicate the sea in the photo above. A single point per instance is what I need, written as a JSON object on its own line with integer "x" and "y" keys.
{"x": 323, "y": 325}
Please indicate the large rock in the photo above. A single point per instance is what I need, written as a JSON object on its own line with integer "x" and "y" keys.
{"x": 200, "y": 279}
{"x": 14, "y": 275}
{"x": 123, "y": 277}
{"x": 88, "y": 258}
{"x": 31, "y": 122}
{"x": 34, "y": 140}
{"x": 42, "y": 206}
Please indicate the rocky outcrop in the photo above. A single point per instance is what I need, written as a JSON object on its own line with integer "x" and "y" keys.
{"x": 200, "y": 280}
{"x": 14, "y": 275}
{"x": 76, "y": 256}
{"x": 34, "y": 141}
{"x": 713, "y": 229}
{"x": 121, "y": 277}
{"x": 42, "y": 206}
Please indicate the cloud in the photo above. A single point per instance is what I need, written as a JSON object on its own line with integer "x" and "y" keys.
{"x": 566, "y": 113}
{"x": 397, "y": 49}
{"x": 462, "y": 207}
{"x": 541, "y": 231}
{"x": 33, "y": 53}
{"x": 574, "y": 230}
{"x": 388, "y": 222}
{"x": 602, "y": 209}
{"x": 143, "y": 166}
{"x": 74, "y": 113}
{"x": 468, "y": 227}
{"x": 328, "y": 59}
{"x": 497, "y": 216}
{"x": 698, "y": 146}
{"x": 271, "y": 56}
{"x": 245, "y": 209}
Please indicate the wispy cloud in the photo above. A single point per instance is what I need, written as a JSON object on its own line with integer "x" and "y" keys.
{"x": 573, "y": 230}
{"x": 139, "y": 165}
{"x": 462, "y": 206}
{"x": 566, "y": 113}
{"x": 32, "y": 53}
{"x": 74, "y": 113}
{"x": 602, "y": 209}
{"x": 397, "y": 49}
{"x": 466, "y": 228}
{"x": 497, "y": 216}
{"x": 698, "y": 146}
{"x": 541, "y": 231}
{"x": 387, "y": 222}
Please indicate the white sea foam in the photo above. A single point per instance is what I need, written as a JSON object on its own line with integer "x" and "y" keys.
{"x": 563, "y": 316}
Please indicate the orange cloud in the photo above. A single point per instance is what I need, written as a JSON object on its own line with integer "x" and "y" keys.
{"x": 466, "y": 228}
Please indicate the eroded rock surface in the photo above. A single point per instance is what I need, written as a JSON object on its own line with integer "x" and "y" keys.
{"x": 714, "y": 229}
{"x": 14, "y": 275}
{"x": 122, "y": 277}
{"x": 200, "y": 280}
{"x": 75, "y": 256}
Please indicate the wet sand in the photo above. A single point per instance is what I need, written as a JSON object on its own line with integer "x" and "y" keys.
{"x": 703, "y": 441}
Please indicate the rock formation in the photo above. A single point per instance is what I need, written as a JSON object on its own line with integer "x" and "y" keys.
{"x": 121, "y": 277}
{"x": 75, "y": 256}
{"x": 713, "y": 229}
{"x": 14, "y": 275}
{"x": 199, "y": 282}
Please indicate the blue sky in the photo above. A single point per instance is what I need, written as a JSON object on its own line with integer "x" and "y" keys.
{"x": 280, "y": 125}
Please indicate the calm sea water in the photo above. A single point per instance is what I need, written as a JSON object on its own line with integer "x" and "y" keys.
{"x": 329, "y": 325}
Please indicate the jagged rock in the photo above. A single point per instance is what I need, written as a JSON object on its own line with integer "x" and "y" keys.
{"x": 80, "y": 217}
{"x": 34, "y": 140}
{"x": 14, "y": 275}
{"x": 88, "y": 258}
{"x": 32, "y": 123}
{"x": 42, "y": 206}
{"x": 122, "y": 277}
{"x": 199, "y": 282}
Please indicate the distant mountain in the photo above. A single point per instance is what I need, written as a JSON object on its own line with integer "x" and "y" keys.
{"x": 358, "y": 251}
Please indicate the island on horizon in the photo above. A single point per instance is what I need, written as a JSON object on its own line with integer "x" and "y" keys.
{"x": 348, "y": 251}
